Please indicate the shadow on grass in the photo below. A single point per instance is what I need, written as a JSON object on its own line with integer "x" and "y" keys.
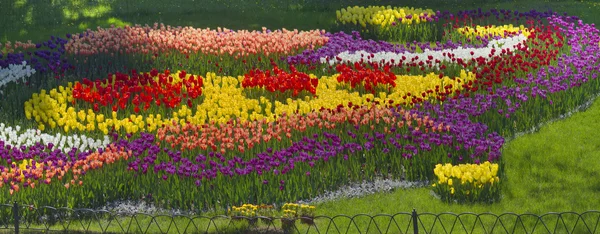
{"x": 27, "y": 20}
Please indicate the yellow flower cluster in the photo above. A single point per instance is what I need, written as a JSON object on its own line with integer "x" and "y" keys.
{"x": 42, "y": 107}
{"x": 290, "y": 210}
{"x": 293, "y": 210}
{"x": 225, "y": 99}
{"x": 289, "y": 214}
{"x": 380, "y": 15}
{"x": 476, "y": 176}
{"x": 418, "y": 85}
{"x": 494, "y": 30}
{"x": 52, "y": 109}
{"x": 246, "y": 210}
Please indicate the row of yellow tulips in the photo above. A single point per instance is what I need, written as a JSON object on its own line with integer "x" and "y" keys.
{"x": 382, "y": 16}
{"x": 225, "y": 99}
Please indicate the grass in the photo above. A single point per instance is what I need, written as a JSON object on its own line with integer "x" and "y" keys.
{"x": 37, "y": 21}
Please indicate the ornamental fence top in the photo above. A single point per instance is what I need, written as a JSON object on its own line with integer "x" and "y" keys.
{"x": 15, "y": 218}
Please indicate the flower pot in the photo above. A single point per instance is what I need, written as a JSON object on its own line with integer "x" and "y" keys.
{"x": 288, "y": 225}
{"x": 308, "y": 220}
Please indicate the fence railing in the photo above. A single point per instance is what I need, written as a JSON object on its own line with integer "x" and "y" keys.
{"x": 16, "y": 218}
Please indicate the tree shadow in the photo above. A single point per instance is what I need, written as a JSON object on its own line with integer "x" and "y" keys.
{"x": 28, "y": 20}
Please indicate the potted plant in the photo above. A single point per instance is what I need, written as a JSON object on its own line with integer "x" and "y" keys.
{"x": 288, "y": 220}
{"x": 244, "y": 212}
{"x": 307, "y": 214}
{"x": 266, "y": 213}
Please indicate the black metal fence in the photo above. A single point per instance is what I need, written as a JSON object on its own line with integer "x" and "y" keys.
{"x": 16, "y": 218}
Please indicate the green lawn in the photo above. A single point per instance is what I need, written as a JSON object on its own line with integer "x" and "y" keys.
{"x": 28, "y": 20}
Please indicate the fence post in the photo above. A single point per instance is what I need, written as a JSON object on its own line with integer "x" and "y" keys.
{"x": 414, "y": 221}
{"x": 15, "y": 210}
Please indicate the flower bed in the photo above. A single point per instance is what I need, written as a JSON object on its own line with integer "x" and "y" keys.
{"x": 219, "y": 118}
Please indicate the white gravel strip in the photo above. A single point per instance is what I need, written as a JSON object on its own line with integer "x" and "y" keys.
{"x": 349, "y": 191}
{"x": 365, "y": 188}
{"x": 136, "y": 207}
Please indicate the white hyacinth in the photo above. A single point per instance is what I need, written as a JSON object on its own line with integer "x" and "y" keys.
{"x": 13, "y": 136}
{"x": 465, "y": 54}
{"x": 15, "y": 72}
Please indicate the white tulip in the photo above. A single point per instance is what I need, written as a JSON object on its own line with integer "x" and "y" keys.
{"x": 465, "y": 54}
{"x": 14, "y": 137}
{"x": 15, "y": 72}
